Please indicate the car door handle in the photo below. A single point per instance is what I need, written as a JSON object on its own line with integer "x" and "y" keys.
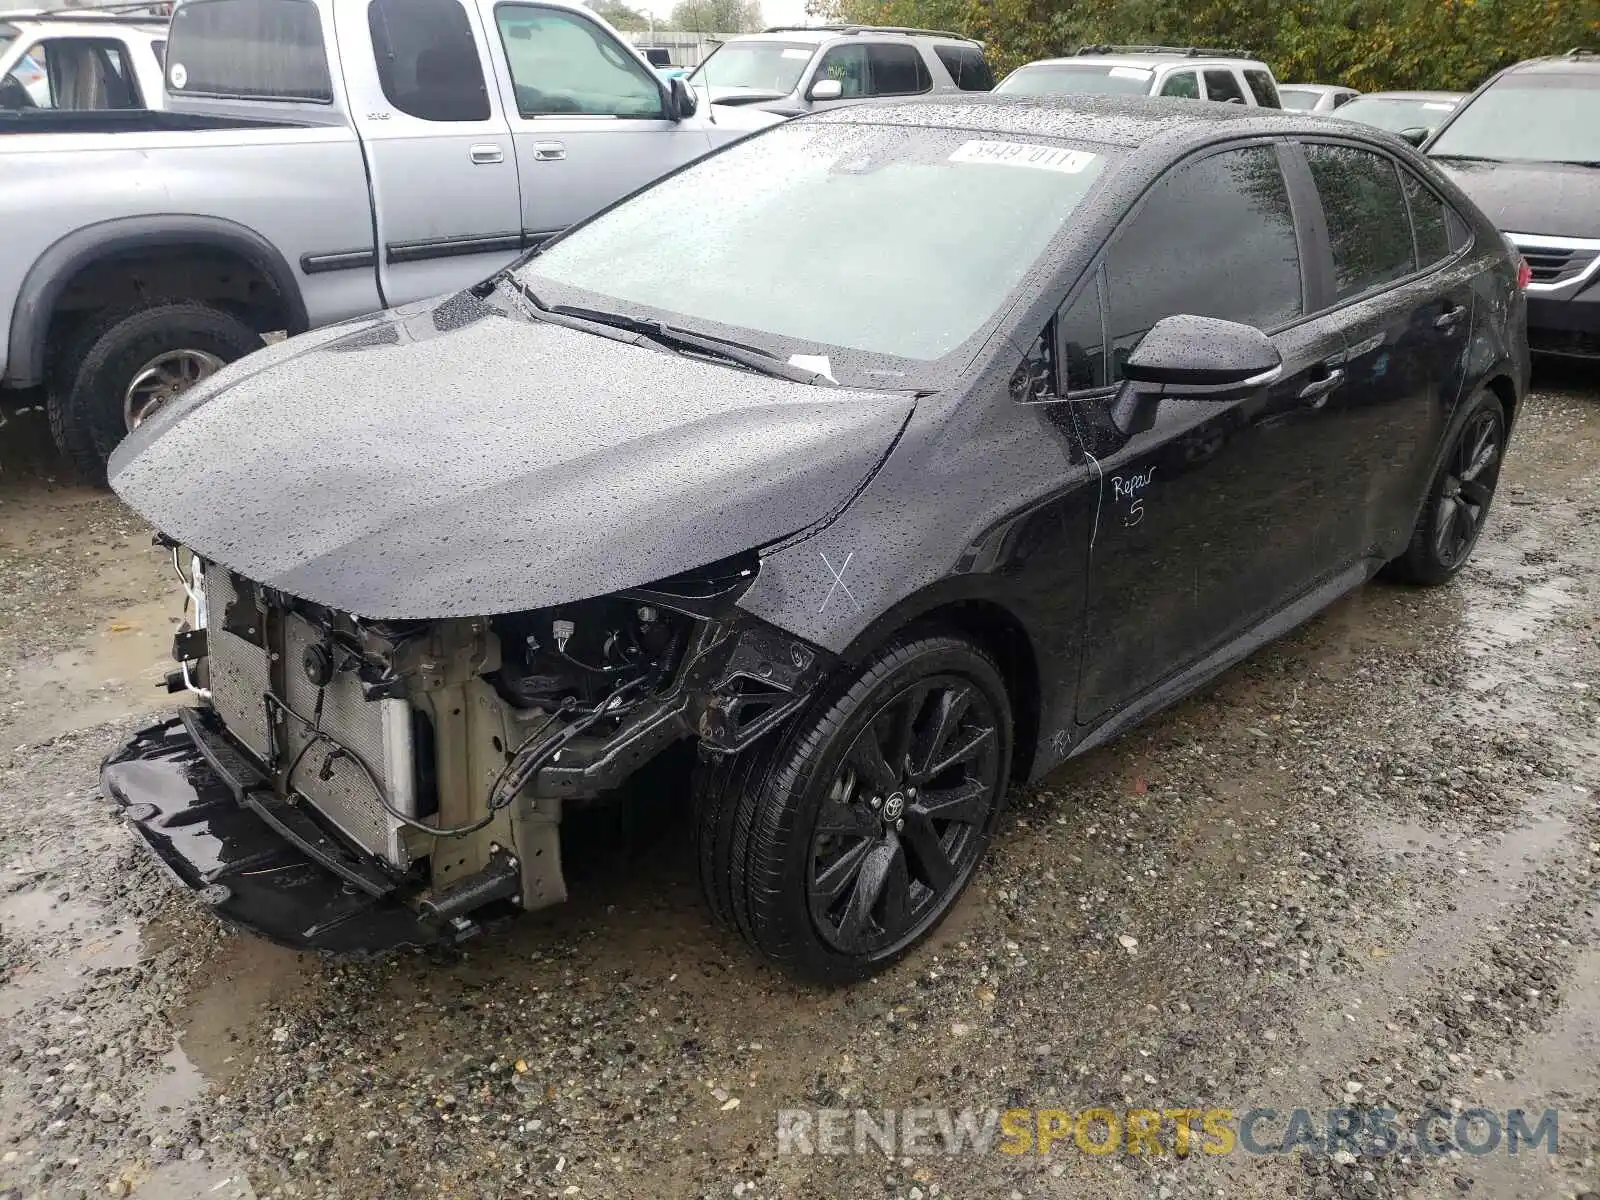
{"x": 1316, "y": 392}
{"x": 549, "y": 151}
{"x": 1448, "y": 320}
{"x": 485, "y": 155}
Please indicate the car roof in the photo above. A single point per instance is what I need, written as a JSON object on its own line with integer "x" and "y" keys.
{"x": 1147, "y": 61}
{"x": 1575, "y": 61}
{"x": 1128, "y": 122}
{"x": 817, "y": 34}
{"x": 89, "y": 23}
{"x": 1450, "y": 97}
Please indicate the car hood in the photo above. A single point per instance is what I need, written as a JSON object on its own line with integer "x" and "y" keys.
{"x": 1548, "y": 198}
{"x": 451, "y": 460}
{"x": 739, "y": 117}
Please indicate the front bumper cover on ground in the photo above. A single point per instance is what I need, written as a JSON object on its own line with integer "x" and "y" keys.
{"x": 254, "y": 860}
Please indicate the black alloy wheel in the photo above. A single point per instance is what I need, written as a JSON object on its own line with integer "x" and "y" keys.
{"x": 836, "y": 845}
{"x": 1453, "y": 517}
{"x": 903, "y": 821}
{"x": 1469, "y": 482}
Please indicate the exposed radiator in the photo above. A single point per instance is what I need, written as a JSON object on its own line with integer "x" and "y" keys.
{"x": 378, "y": 731}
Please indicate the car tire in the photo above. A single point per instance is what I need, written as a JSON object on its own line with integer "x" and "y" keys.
{"x": 1457, "y": 507}
{"x": 172, "y": 343}
{"x": 798, "y": 846}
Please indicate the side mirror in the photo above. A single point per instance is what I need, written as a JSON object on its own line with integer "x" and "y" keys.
{"x": 825, "y": 89}
{"x": 1192, "y": 358}
{"x": 1415, "y": 135}
{"x": 683, "y": 98}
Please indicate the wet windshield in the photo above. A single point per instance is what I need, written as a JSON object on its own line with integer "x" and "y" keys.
{"x": 883, "y": 249}
{"x": 762, "y": 66}
{"x": 1529, "y": 118}
{"x": 1094, "y": 80}
{"x": 1397, "y": 113}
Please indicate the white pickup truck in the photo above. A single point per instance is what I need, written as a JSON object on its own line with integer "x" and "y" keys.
{"x": 317, "y": 160}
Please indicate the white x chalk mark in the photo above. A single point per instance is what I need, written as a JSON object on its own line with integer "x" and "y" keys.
{"x": 838, "y": 581}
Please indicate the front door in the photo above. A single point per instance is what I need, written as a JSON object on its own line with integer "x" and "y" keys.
{"x": 441, "y": 163}
{"x": 1205, "y": 521}
{"x": 588, "y": 116}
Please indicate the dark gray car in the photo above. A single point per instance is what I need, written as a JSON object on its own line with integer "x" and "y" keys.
{"x": 891, "y": 458}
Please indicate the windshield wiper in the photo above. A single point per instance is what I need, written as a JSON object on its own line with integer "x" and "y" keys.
{"x": 1577, "y": 162}
{"x": 756, "y": 358}
{"x": 1467, "y": 158}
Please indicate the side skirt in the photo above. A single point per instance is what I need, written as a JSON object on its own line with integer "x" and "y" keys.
{"x": 1176, "y": 687}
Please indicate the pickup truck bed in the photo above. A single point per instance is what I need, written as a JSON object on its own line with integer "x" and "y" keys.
{"x": 360, "y": 157}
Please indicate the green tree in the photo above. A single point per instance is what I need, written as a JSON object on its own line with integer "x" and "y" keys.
{"x": 1368, "y": 44}
{"x": 717, "y": 16}
{"x": 620, "y": 15}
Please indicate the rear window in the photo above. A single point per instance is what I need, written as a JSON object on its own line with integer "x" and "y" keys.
{"x": 1297, "y": 99}
{"x": 250, "y": 50}
{"x": 1263, "y": 88}
{"x": 967, "y": 66}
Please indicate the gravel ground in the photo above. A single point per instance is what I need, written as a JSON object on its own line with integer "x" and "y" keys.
{"x": 1363, "y": 867}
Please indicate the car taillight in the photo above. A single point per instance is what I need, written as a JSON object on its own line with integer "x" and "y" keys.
{"x": 1524, "y": 274}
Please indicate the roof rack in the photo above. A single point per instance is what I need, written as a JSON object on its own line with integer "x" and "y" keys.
{"x": 1184, "y": 51}
{"x": 122, "y": 14}
{"x": 907, "y": 30}
{"x": 1581, "y": 52}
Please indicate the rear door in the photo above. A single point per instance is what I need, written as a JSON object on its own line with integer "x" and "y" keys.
{"x": 1407, "y": 327}
{"x": 1207, "y": 519}
{"x": 440, "y": 156}
{"x": 588, "y": 116}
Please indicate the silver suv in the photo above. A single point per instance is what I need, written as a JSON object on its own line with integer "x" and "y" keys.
{"x": 800, "y": 69}
{"x": 1186, "y": 72}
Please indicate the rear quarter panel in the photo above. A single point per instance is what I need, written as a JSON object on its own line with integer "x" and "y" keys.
{"x": 302, "y": 189}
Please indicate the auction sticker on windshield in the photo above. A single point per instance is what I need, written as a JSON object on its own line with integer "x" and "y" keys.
{"x": 1024, "y": 154}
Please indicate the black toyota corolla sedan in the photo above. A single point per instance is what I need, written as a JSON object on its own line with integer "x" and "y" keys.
{"x": 890, "y": 458}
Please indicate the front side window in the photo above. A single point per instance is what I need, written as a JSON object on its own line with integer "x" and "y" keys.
{"x": 1262, "y": 88}
{"x": 967, "y": 67}
{"x": 875, "y": 70}
{"x": 562, "y": 63}
{"x": 1183, "y": 84}
{"x": 885, "y": 248}
{"x": 1529, "y": 118}
{"x": 1366, "y": 213}
{"x": 1077, "y": 80}
{"x": 1080, "y": 340}
{"x": 1223, "y": 86}
{"x": 1214, "y": 238}
{"x": 427, "y": 63}
{"x": 249, "y": 50}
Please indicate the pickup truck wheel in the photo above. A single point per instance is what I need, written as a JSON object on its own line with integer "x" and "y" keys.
{"x": 1457, "y": 507}
{"x": 134, "y": 363}
{"x": 837, "y": 846}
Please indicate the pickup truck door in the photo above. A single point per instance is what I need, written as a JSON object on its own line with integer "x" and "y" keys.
{"x": 442, "y": 166}
{"x": 587, "y": 112}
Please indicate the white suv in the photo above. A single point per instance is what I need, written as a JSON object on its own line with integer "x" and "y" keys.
{"x": 792, "y": 70}
{"x": 1189, "y": 73}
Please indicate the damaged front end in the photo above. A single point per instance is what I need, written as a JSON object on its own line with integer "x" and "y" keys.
{"x": 351, "y": 785}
